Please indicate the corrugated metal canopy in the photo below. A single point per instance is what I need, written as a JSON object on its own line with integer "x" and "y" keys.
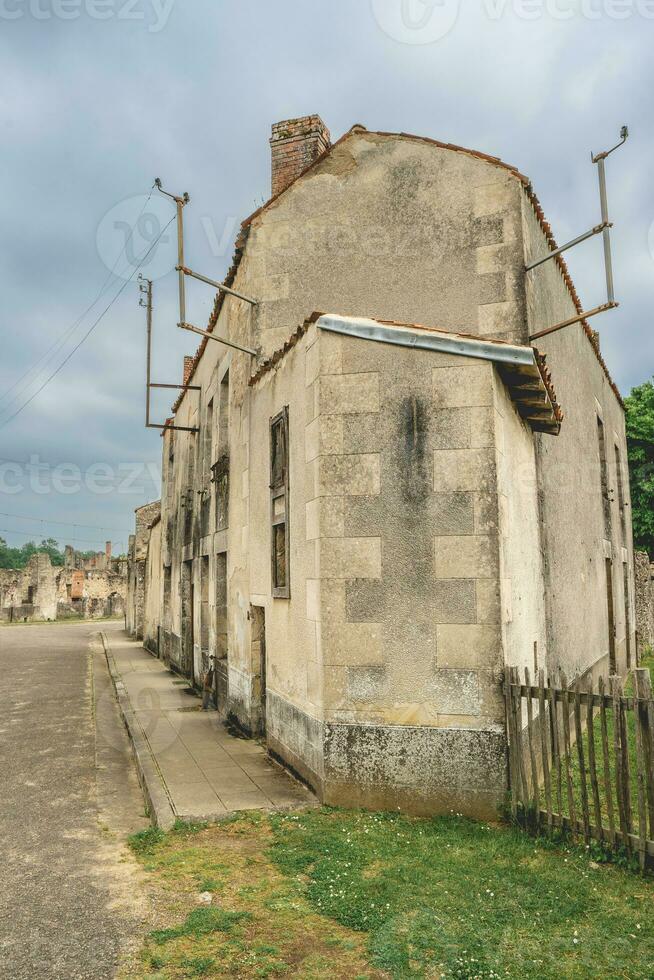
{"x": 522, "y": 368}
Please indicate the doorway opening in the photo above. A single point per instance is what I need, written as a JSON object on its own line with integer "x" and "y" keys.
{"x": 611, "y": 614}
{"x": 187, "y": 619}
{"x": 627, "y": 615}
{"x": 258, "y": 620}
{"x": 202, "y": 666}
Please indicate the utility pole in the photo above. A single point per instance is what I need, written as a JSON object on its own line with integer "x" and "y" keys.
{"x": 145, "y": 287}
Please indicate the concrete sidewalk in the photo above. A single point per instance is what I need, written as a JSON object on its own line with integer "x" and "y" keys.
{"x": 190, "y": 766}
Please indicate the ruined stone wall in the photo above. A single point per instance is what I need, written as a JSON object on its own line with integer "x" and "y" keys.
{"x": 644, "y": 602}
{"x": 42, "y": 591}
{"x": 152, "y": 599}
{"x": 15, "y": 595}
{"x": 136, "y": 572}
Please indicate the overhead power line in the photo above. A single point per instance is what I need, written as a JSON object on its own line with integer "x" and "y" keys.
{"x": 88, "y": 332}
{"x": 70, "y": 330}
{"x": 41, "y": 520}
{"x": 29, "y": 534}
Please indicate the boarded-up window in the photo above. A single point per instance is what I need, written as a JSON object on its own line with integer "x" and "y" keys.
{"x": 279, "y": 505}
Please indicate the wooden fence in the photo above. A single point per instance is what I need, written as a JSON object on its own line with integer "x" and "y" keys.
{"x": 582, "y": 760}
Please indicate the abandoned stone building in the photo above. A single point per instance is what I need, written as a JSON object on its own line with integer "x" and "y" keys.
{"x": 398, "y": 496}
{"x": 85, "y": 587}
{"x": 141, "y": 555}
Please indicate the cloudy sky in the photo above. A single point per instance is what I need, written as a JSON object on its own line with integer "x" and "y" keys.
{"x": 100, "y": 96}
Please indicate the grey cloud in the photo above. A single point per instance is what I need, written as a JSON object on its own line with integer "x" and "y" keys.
{"x": 92, "y": 110}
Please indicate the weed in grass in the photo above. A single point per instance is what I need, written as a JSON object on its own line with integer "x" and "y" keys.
{"x": 145, "y": 841}
{"x": 200, "y": 922}
{"x": 157, "y": 962}
{"x": 198, "y": 965}
{"x": 209, "y": 885}
{"x": 188, "y": 827}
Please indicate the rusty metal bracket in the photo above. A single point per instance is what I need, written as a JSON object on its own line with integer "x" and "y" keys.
{"x": 213, "y": 336}
{"x": 574, "y": 319}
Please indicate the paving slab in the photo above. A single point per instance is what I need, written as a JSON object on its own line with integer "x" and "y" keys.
{"x": 191, "y": 766}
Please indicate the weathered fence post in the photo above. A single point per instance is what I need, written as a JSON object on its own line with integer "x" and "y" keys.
{"x": 646, "y": 719}
{"x": 592, "y": 764}
{"x": 582, "y": 766}
{"x": 567, "y": 750}
{"x": 532, "y": 754}
{"x": 544, "y": 746}
{"x": 510, "y": 736}
{"x": 641, "y": 772}
{"x": 608, "y": 787}
{"x": 621, "y": 775}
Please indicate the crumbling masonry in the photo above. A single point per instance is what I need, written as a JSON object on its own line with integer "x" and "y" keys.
{"x": 84, "y": 588}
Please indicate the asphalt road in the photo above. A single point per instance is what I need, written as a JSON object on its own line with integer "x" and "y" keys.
{"x": 70, "y": 900}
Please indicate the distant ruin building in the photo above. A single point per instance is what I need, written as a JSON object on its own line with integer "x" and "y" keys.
{"x": 140, "y": 573}
{"x": 84, "y": 588}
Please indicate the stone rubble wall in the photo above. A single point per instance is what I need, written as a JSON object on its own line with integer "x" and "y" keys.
{"x": 644, "y": 601}
{"x": 41, "y": 591}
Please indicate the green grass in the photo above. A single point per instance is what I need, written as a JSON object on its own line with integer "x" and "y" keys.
{"x": 200, "y": 922}
{"x": 452, "y": 898}
{"x": 145, "y": 841}
{"x": 327, "y": 894}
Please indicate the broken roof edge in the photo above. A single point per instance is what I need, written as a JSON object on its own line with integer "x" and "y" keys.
{"x": 527, "y": 186}
{"x": 522, "y": 368}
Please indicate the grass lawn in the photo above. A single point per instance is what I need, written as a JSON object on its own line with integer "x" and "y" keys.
{"x": 345, "y": 894}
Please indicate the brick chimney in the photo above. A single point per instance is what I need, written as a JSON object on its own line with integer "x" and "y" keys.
{"x": 295, "y": 144}
{"x": 188, "y": 367}
{"x": 107, "y": 550}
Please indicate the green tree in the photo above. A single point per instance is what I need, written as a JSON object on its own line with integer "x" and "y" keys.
{"x": 640, "y": 443}
{"x": 19, "y": 557}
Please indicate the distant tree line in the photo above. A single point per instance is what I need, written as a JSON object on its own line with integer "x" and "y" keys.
{"x": 19, "y": 557}
{"x": 640, "y": 443}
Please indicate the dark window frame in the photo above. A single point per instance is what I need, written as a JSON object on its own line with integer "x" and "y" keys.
{"x": 605, "y": 487}
{"x": 279, "y": 491}
{"x": 621, "y": 493}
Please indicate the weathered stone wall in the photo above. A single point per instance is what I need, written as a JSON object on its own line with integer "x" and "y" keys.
{"x": 644, "y": 601}
{"x": 415, "y": 496}
{"x": 29, "y": 593}
{"x": 415, "y": 573}
{"x": 152, "y": 598}
{"x": 576, "y": 547}
{"x": 136, "y": 575}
